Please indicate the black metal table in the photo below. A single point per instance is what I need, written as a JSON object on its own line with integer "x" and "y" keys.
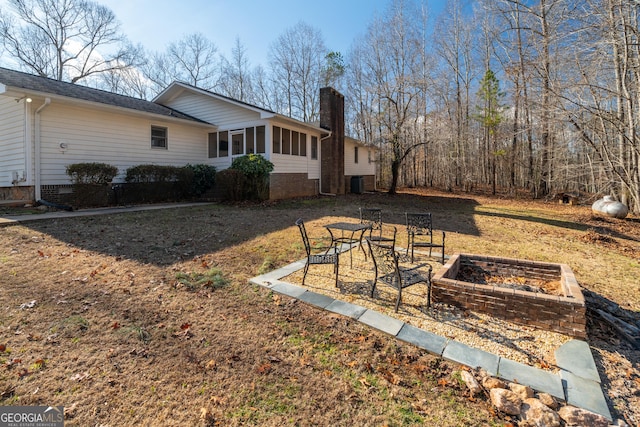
{"x": 350, "y": 233}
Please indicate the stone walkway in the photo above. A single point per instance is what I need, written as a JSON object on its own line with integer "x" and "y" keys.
{"x": 578, "y": 382}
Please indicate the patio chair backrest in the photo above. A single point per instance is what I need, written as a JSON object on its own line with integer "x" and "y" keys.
{"x": 419, "y": 224}
{"x": 305, "y": 238}
{"x": 371, "y": 216}
{"x": 385, "y": 261}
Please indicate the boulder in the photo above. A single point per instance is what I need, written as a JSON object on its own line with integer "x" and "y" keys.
{"x": 505, "y": 401}
{"x": 538, "y": 414}
{"x": 573, "y": 416}
{"x": 548, "y": 400}
{"x": 521, "y": 390}
{"x": 471, "y": 382}
{"x": 491, "y": 382}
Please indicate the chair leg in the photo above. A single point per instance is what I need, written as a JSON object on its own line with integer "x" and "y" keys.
{"x": 373, "y": 287}
{"x": 336, "y": 269}
{"x": 304, "y": 276}
{"x": 399, "y": 298}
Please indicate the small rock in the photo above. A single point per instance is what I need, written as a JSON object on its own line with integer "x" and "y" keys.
{"x": 620, "y": 423}
{"x": 491, "y": 382}
{"x": 579, "y": 417}
{"x": 521, "y": 390}
{"x": 548, "y": 400}
{"x": 538, "y": 414}
{"x": 505, "y": 401}
{"x": 471, "y": 382}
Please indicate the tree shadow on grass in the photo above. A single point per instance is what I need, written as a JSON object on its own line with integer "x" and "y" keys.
{"x": 166, "y": 236}
{"x": 607, "y": 227}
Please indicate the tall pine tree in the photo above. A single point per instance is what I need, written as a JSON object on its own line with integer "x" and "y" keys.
{"x": 489, "y": 115}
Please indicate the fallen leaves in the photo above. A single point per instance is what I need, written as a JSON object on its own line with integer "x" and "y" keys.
{"x": 184, "y": 332}
{"x": 264, "y": 368}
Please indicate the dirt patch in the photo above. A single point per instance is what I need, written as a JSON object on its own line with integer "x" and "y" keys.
{"x": 107, "y": 314}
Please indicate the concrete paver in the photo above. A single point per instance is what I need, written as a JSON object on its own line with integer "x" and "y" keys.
{"x": 381, "y": 322}
{"x": 473, "y": 357}
{"x": 585, "y": 394}
{"x": 314, "y": 298}
{"x": 575, "y": 356}
{"x": 426, "y": 340}
{"x": 537, "y": 379}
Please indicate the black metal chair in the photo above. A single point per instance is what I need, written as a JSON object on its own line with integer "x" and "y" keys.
{"x": 388, "y": 271}
{"x": 420, "y": 227}
{"x": 373, "y": 217}
{"x": 330, "y": 255}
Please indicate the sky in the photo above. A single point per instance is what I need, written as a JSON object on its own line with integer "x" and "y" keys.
{"x": 257, "y": 23}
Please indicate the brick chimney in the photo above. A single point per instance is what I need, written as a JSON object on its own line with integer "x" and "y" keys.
{"x": 332, "y": 147}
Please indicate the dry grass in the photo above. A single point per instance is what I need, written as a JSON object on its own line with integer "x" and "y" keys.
{"x": 128, "y": 328}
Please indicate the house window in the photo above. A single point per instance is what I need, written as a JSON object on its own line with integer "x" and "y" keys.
{"x": 355, "y": 155}
{"x": 295, "y": 143}
{"x": 314, "y": 148}
{"x": 286, "y": 141}
{"x": 237, "y": 143}
{"x": 223, "y": 144}
{"x": 303, "y": 144}
{"x": 276, "y": 139}
{"x": 260, "y": 140}
{"x": 369, "y": 156}
{"x": 213, "y": 145}
{"x": 250, "y": 145}
{"x": 158, "y": 137}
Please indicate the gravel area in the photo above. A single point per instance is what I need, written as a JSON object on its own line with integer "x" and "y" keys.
{"x": 520, "y": 343}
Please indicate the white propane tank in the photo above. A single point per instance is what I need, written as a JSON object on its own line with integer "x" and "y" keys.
{"x": 610, "y": 207}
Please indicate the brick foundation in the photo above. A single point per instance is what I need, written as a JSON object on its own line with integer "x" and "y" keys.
{"x": 289, "y": 185}
{"x": 16, "y": 195}
{"x": 564, "y": 314}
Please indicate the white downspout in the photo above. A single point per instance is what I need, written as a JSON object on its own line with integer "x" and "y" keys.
{"x": 320, "y": 185}
{"x": 38, "y": 150}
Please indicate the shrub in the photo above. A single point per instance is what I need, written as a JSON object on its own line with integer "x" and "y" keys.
{"x": 157, "y": 183}
{"x": 256, "y": 170}
{"x": 90, "y": 183}
{"x": 231, "y": 182}
{"x": 153, "y": 173}
{"x": 204, "y": 178}
{"x": 91, "y": 173}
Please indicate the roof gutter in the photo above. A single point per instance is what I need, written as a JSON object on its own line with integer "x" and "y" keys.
{"x": 38, "y": 150}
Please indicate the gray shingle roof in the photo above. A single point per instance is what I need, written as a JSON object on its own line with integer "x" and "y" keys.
{"x": 17, "y": 79}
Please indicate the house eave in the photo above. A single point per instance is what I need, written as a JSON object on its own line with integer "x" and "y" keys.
{"x": 20, "y": 92}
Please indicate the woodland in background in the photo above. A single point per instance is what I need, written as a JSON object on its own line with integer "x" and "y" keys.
{"x": 542, "y": 96}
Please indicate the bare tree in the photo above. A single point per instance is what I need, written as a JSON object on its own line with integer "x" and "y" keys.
{"x": 296, "y": 60}
{"x": 235, "y": 79}
{"x": 454, "y": 45}
{"x": 130, "y": 82}
{"x": 392, "y": 72}
{"x": 65, "y": 39}
{"x": 192, "y": 59}
{"x": 602, "y": 104}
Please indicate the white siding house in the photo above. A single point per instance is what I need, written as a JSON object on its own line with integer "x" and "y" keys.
{"x": 285, "y": 142}
{"x": 46, "y": 125}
